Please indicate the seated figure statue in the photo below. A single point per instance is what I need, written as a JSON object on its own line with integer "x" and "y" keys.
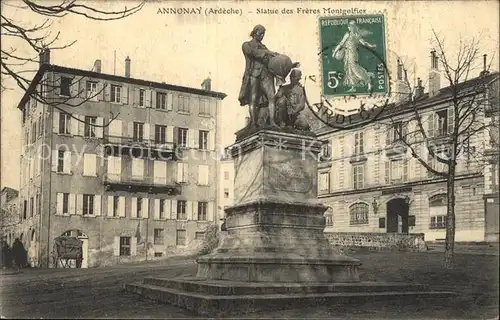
{"x": 290, "y": 101}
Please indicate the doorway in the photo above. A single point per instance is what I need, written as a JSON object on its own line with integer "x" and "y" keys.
{"x": 397, "y": 216}
{"x": 85, "y": 246}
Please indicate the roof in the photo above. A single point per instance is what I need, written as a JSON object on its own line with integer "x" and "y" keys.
{"x": 85, "y": 73}
{"x": 424, "y": 101}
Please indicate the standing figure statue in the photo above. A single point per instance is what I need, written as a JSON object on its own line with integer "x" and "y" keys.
{"x": 258, "y": 87}
{"x": 355, "y": 75}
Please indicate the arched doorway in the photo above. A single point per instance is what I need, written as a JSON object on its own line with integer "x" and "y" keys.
{"x": 33, "y": 249}
{"x": 85, "y": 244}
{"x": 397, "y": 216}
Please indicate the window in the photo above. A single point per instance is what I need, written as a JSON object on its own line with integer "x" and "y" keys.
{"x": 138, "y": 208}
{"x": 202, "y": 210}
{"x": 65, "y": 205}
{"x": 442, "y": 122}
{"x": 38, "y": 204}
{"x": 438, "y": 222}
{"x": 396, "y": 171}
{"x": 116, "y": 203}
{"x": 138, "y": 131}
{"x": 182, "y": 172}
{"x": 182, "y": 135}
{"x": 158, "y": 236}
{"x": 41, "y": 127}
{"x": 358, "y": 213}
{"x": 65, "y": 86}
{"x": 124, "y": 246}
{"x": 381, "y": 223}
{"x": 183, "y": 104}
{"x": 137, "y": 169}
{"x": 116, "y": 94}
{"x": 161, "y": 100}
{"x": 88, "y": 204}
{"x": 158, "y": 254}
{"x": 226, "y": 175}
{"x": 324, "y": 182}
{"x": 160, "y": 134}
{"x": 325, "y": 153}
{"x": 26, "y": 136}
{"x": 32, "y": 206}
{"x": 64, "y": 123}
{"x": 358, "y": 143}
{"x": 33, "y": 132}
{"x": 180, "y": 238}
{"x": 181, "y": 210}
{"x": 162, "y": 208}
{"x": 395, "y": 130}
{"x": 25, "y": 209}
{"x": 411, "y": 221}
{"x": 142, "y": 96}
{"x": 329, "y": 220}
{"x": 90, "y": 164}
{"x": 199, "y": 235}
{"x": 160, "y": 172}
{"x": 203, "y": 140}
{"x": 437, "y": 211}
{"x": 114, "y": 170}
{"x": 89, "y": 129}
{"x": 60, "y": 161}
{"x": 358, "y": 176}
{"x": 203, "y": 175}
{"x": 226, "y": 193}
{"x": 204, "y": 107}
{"x": 92, "y": 90}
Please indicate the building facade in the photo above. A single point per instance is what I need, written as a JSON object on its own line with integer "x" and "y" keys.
{"x": 9, "y": 204}
{"x": 226, "y": 181}
{"x": 129, "y": 167}
{"x": 372, "y": 183}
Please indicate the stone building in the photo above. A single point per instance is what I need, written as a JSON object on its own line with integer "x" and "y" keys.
{"x": 9, "y": 200}
{"x": 138, "y": 185}
{"x": 373, "y": 185}
{"x": 226, "y": 180}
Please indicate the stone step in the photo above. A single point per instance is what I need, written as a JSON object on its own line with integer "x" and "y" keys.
{"x": 226, "y": 288}
{"x": 211, "y": 305}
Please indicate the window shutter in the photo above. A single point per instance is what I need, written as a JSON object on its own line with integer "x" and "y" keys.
{"x": 430, "y": 125}
{"x": 173, "y": 206}
{"x": 210, "y": 211}
{"x": 59, "y": 203}
{"x": 121, "y": 207}
{"x": 89, "y": 164}
{"x": 157, "y": 209}
{"x": 211, "y": 140}
{"x": 169, "y": 101}
{"x": 130, "y": 132}
{"x": 154, "y": 101}
{"x": 134, "y": 208}
{"x": 116, "y": 246}
{"x": 136, "y": 94}
{"x": 67, "y": 161}
{"x": 97, "y": 205}
{"x": 110, "y": 206}
{"x": 107, "y": 92}
{"x": 175, "y": 101}
{"x": 195, "y": 138}
{"x": 79, "y": 204}
{"x": 54, "y": 160}
{"x": 39, "y": 165}
{"x": 170, "y": 134}
{"x": 451, "y": 119}
{"x": 430, "y": 163}
{"x": 100, "y": 91}
{"x": 195, "y": 210}
{"x": 73, "y": 88}
{"x": 74, "y": 124}
{"x": 72, "y": 203}
{"x": 145, "y": 208}
{"x": 99, "y": 130}
{"x": 388, "y": 137}
{"x": 405, "y": 169}
{"x": 147, "y": 134}
{"x": 180, "y": 174}
{"x": 115, "y": 128}
{"x": 167, "y": 209}
{"x": 160, "y": 172}
{"x": 189, "y": 210}
{"x": 55, "y": 121}
{"x": 124, "y": 95}
{"x": 133, "y": 246}
{"x": 147, "y": 98}
{"x": 387, "y": 172}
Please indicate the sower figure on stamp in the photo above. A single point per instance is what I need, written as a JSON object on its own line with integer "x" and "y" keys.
{"x": 257, "y": 88}
{"x": 290, "y": 101}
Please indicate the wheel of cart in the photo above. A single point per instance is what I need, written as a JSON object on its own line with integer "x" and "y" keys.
{"x": 67, "y": 250}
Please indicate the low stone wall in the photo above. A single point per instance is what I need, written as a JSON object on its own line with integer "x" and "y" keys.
{"x": 378, "y": 241}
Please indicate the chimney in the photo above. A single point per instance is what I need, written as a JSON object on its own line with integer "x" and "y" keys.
{"x": 207, "y": 84}
{"x": 127, "y": 67}
{"x": 485, "y": 71}
{"x": 97, "y": 66}
{"x": 402, "y": 88}
{"x": 419, "y": 89}
{"x": 434, "y": 75}
{"x": 44, "y": 57}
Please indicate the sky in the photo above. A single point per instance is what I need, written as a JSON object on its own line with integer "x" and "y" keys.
{"x": 184, "y": 49}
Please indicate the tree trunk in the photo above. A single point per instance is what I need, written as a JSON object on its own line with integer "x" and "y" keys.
{"x": 449, "y": 261}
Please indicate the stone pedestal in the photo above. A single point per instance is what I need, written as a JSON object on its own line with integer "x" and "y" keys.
{"x": 275, "y": 254}
{"x": 275, "y": 229}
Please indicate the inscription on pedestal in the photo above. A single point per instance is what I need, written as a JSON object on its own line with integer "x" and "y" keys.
{"x": 290, "y": 174}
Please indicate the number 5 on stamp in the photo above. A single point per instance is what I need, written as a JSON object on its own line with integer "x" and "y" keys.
{"x": 353, "y": 55}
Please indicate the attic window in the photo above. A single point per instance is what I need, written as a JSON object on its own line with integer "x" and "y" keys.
{"x": 65, "y": 85}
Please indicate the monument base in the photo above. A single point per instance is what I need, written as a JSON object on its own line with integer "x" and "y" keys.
{"x": 216, "y": 298}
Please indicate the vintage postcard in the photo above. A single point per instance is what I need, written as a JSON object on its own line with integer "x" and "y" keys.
{"x": 249, "y": 159}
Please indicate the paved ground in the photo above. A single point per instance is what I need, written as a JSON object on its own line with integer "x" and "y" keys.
{"x": 92, "y": 293}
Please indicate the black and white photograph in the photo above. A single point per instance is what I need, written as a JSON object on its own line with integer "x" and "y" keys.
{"x": 249, "y": 159}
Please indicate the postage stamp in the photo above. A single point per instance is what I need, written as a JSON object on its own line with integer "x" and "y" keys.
{"x": 353, "y": 55}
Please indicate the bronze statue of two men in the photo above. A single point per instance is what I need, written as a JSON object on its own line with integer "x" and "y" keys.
{"x": 258, "y": 88}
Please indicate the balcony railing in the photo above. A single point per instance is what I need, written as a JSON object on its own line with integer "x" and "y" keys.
{"x": 118, "y": 182}
{"x": 144, "y": 147}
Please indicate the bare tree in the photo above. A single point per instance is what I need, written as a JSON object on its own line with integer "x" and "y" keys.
{"x": 39, "y": 40}
{"x": 437, "y": 141}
